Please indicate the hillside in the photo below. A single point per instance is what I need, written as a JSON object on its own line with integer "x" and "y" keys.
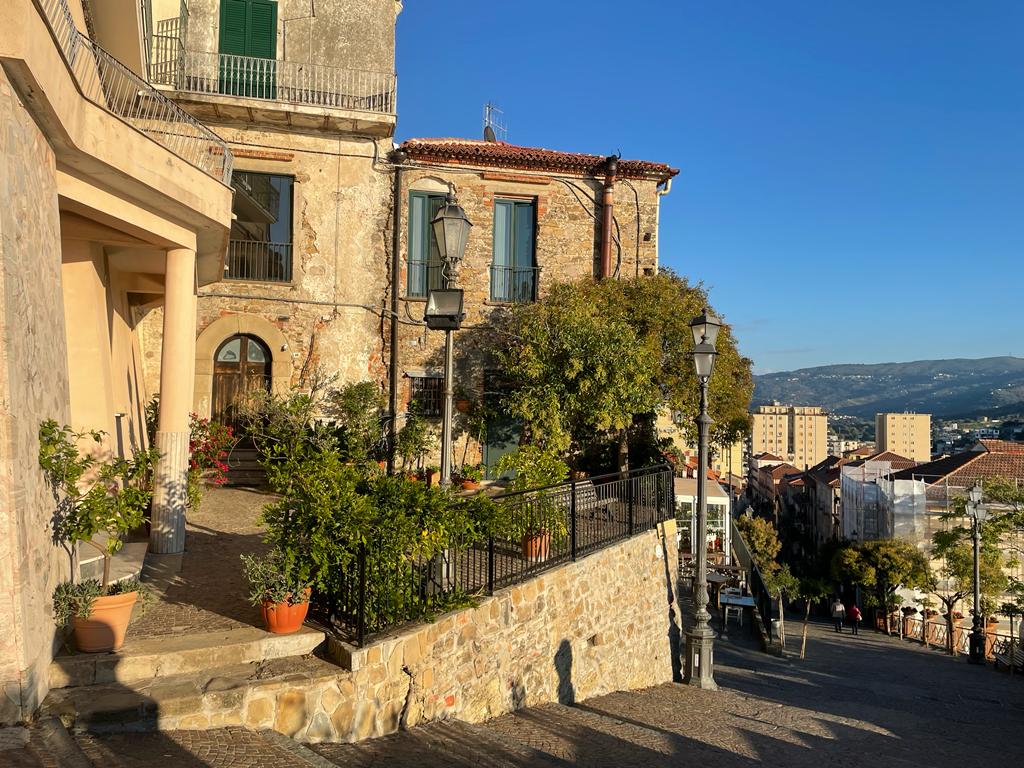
{"x": 960, "y": 388}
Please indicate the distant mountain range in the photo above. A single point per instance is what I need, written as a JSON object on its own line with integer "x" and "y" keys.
{"x": 991, "y": 386}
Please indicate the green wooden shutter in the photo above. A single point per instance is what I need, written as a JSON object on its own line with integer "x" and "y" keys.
{"x": 262, "y": 38}
{"x": 233, "y": 27}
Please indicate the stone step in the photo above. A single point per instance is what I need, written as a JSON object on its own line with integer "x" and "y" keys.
{"x": 124, "y": 564}
{"x": 156, "y": 657}
{"x": 288, "y": 695}
{"x": 444, "y": 743}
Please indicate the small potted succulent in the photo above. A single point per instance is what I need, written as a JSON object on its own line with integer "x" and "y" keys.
{"x": 94, "y": 497}
{"x": 470, "y": 476}
{"x": 282, "y": 597}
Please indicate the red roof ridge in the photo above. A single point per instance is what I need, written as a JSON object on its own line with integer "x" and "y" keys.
{"x": 501, "y": 154}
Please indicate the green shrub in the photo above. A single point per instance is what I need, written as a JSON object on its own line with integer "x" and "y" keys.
{"x": 76, "y": 600}
{"x": 536, "y": 468}
{"x": 357, "y": 410}
{"x": 272, "y": 581}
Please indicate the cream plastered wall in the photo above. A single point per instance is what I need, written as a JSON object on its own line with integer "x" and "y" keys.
{"x": 33, "y": 387}
{"x": 354, "y": 34}
{"x": 328, "y": 318}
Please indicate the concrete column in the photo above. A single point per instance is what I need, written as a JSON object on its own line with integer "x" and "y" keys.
{"x": 177, "y": 360}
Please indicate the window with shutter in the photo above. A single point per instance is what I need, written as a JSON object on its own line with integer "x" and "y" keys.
{"x": 513, "y": 272}
{"x": 248, "y": 48}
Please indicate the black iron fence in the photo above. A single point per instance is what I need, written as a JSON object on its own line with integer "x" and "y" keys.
{"x": 514, "y": 285}
{"x": 259, "y": 261}
{"x": 378, "y": 589}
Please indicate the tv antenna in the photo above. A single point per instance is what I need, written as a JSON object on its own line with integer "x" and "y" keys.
{"x": 495, "y": 128}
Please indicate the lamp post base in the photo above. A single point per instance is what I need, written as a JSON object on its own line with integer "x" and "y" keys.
{"x": 699, "y": 669}
{"x": 976, "y": 647}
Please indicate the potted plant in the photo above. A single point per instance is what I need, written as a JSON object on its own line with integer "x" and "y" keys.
{"x": 433, "y": 475}
{"x": 533, "y": 467}
{"x": 283, "y": 598}
{"x": 93, "y": 496}
{"x": 98, "y": 615}
{"x": 470, "y": 476}
{"x": 412, "y": 442}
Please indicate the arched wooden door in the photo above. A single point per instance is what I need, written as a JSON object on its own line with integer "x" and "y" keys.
{"x": 242, "y": 364}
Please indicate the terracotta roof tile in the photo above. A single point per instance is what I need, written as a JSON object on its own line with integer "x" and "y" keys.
{"x": 1002, "y": 446}
{"x": 896, "y": 461}
{"x": 499, "y": 154}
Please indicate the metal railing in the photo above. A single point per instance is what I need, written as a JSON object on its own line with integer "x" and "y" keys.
{"x": 294, "y": 82}
{"x": 377, "y": 590}
{"x": 938, "y": 636}
{"x": 259, "y": 262}
{"x": 755, "y": 584}
{"x": 109, "y": 84}
{"x": 514, "y": 285}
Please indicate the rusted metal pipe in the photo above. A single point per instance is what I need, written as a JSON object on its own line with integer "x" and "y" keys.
{"x": 611, "y": 167}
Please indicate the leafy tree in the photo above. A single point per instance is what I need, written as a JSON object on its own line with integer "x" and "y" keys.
{"x": 811, "y": 590}
{"x": 956, "y": 573}
{"x": 590, "y": 358}
{"x": 357, "y": 409}
{"x": 882, "y": 567}
{"x": 780, "y": 582}
{"x": 762, "y": 541}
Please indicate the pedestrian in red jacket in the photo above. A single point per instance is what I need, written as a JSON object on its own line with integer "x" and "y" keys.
{"x": 854, "y": 614}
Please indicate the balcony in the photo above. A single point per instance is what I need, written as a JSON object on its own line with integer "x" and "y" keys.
{"x": 255, "y": 261}
{"x": 112, "y": 86}
{"x": 514, "y": 285}
{"x": 258, "y": 86}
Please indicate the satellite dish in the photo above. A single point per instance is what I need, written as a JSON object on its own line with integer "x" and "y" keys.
{"x": 489, "y": 134}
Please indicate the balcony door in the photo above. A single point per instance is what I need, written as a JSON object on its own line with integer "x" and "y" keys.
{"x": 241, "y": 365}
{"x": 248, "y": 48}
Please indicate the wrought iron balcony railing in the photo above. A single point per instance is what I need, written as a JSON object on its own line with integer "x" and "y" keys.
{"x": 294, "y": 82}
{"x": 109, "y": 84}
{"x": 259, "y": 262}
{"x": 514, "y": 285}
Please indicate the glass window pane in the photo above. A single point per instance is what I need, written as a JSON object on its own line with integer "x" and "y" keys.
{"x": 231, "y": 352}
{"x": 524, "y": 235}
{"x": 256, "y": 352}
{"x": 417, "y": 230}
{"x": 502, "y": 228}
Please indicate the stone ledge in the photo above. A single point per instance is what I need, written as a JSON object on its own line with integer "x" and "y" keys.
{"x": 160, "y": 657}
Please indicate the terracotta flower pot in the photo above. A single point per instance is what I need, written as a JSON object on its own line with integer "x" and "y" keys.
{"x": 433, "y": 477}
{"x": 469, "y": 485}
{"x": 536, "y": 546}
{"x": 462, "y": 406}
{"x": 105, "y": 628}
{"x": 284, "y": 618}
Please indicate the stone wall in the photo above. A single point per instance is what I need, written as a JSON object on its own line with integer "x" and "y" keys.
{"x": 340, "y": 227}
{"x": 604, "y": 623}
{"x": 33, "y": 387}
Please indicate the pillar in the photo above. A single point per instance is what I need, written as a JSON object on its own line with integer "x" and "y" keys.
{"x": 177, "y": 358}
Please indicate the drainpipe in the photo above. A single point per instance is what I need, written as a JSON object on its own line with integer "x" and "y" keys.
{"x": 397, "y": 158}
{"x": 660, "y": 192}
{"x": 607, "y": 213}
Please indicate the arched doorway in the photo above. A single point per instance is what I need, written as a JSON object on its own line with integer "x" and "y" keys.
{"x": 241, "y": 364}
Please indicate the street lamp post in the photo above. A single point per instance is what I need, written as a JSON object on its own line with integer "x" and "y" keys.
{"x": 445, "y": 311}
{"x": 700, "y": 669}
{"x": 978, "y": 513}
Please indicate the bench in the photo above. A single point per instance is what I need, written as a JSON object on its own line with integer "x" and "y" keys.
{"x": 588, "y": 500}
{"x": 1017, "y": 662}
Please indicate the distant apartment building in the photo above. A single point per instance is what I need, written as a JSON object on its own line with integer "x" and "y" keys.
{"x": 907, "y": 434}
{"x": 797, "y": 433}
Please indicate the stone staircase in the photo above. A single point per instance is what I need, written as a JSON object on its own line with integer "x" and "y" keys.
{"x": 244, "y": 468}
{"x": 190, "y": 681}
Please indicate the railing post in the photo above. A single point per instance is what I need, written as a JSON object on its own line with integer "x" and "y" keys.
{"x": 490, "y": 565}
{"x": 631, "y": 494}
{"x": 361, "y": 604}
{"x": 572, "y": 517}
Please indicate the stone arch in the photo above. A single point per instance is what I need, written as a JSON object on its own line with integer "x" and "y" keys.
{"x": 231, "y": 325}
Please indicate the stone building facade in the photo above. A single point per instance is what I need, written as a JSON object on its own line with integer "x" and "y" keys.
{"x": 308, "y": 110}
{"x": 537, "y": 220}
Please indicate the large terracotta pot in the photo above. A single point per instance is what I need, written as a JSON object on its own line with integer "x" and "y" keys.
{"x": 470, "y": 485}
{"x": 105, "y": 628}
{"x": 284, "y": 618}
{"x": 536, "y": 546}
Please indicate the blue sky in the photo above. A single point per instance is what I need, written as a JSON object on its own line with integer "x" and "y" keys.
{"x": 852, "y": 185}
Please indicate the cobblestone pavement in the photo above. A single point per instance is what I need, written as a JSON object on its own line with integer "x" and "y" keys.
{"x": 208, "y": 594}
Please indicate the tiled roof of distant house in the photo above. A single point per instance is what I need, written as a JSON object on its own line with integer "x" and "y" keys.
{"x": 782, "y": 470}
{"x": 499, "y": 154}
{"x": 828, "y": 471}
{"x": 768, "y": 457}
{"x": 896, "y": 461}
{"x": 991, "y": 458}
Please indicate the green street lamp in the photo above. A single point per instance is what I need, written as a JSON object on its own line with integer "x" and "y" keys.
{"x": 700, "y": 663}
{"x": 445, "y": 310}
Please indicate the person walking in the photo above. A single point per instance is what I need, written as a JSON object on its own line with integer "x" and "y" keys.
{"x": 854, "y": 613}
{"x": 838, "y": 614}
